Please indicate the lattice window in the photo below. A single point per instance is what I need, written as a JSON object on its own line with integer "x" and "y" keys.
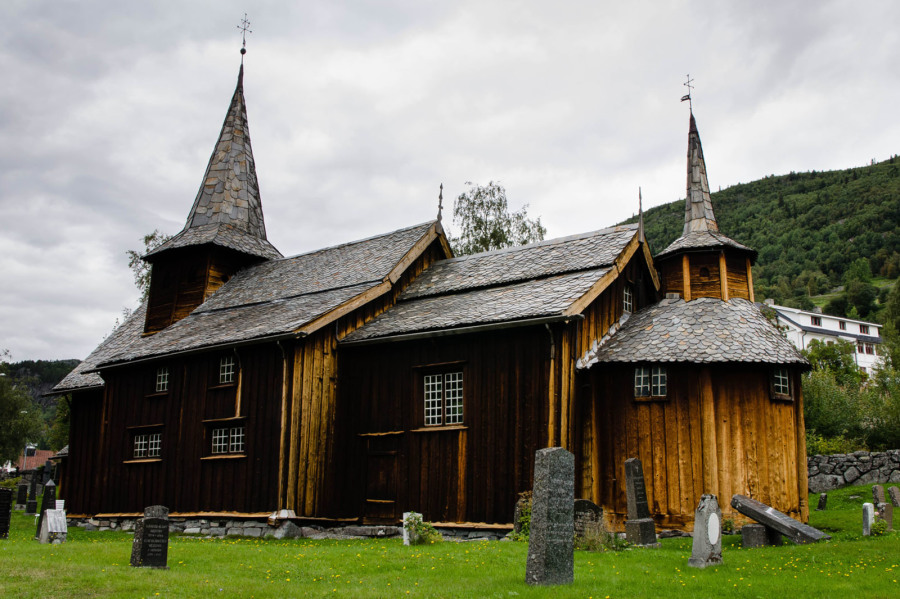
{"x": 443, "y": 398}
{"x": 628, "y": 299}
{"x": 154, "y": 445}
{"x": 781, "y": 381}
{"x": 658, "y": 381}
{"x": 650, "y": 381}
{"x": 220, "y": 440}
{"x": 237, "y": 439}
{"x": 453, "y": 398}
{"x": 641, "y": 382}
{"x": 140, "y": 446}
{"x": 226, "y": 370}
{"x": 228, "y": 440}
{"x": 162, "y": 379}
{"x": 433, "y": 398}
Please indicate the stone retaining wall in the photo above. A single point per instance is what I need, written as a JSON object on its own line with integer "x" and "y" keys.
{"x": 827, "y": 472}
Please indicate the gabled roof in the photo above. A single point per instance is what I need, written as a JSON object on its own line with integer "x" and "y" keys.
{"x": 701, "y": 230}
{"x": 279, "y": 298}
{"x": 555, "y": 278}
{"x": 227, "y": 210}
{"x": 846, "y": 335}
{"x": 705, "y": 330}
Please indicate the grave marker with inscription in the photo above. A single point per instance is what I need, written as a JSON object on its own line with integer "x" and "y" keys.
{"x": 587, "y": 516}
{"x": 639, "y": 528}
{"x": 31, "y": 504}
{"x": 707, "y": 545}
{"x": 48, "y": 502}
{"x": 21, "y": 495}
{"x": 150, "y": 548}
{"x": 894, "y": 492}
{"x": 54, "y": 528}
{"x": 796, "y": 532}
{"x": 551, "y": 550}
{"x": 6, "y": 498}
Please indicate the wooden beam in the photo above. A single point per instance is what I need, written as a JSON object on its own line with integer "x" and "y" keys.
{"x": 723, "y": 276}
{"x": 708, "y": 433}
{"x": 654, "y": 276}
{"x": 750, "y": 280}
{"x": 800, "y": 436}
{"x": 686, "y": 277}
{"x": 283, "y": 428}
{"x": 596, "y": 289}
{"x": 345, "y": 308}
{"x": 411, "y": 256}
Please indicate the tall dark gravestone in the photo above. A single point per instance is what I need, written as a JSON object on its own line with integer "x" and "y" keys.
{"x": 6, "y": 498}
{"x": 639, "y": 528}
{"x": 31, "y": 504}
{"x": 707, "y": 546}
{"x": 551, "y": 546}
{"x": 48, "y": 502}
{"x": 21, "y": 495}
{"x": 150, "y": 548}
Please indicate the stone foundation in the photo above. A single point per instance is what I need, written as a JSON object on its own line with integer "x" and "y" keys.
{"x": 827, "y": 472}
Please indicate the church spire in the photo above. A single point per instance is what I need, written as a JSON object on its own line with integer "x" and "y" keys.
{"x": 698, "y": 214}
{"x": 227, "y": 210}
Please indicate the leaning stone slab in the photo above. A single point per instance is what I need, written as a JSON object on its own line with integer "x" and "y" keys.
{"x": 796, "y": 532}
{"x": 551, "y": 546}
{"x": 707, "y": 545}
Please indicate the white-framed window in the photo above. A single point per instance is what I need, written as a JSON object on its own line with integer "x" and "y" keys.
{"x": 870, "y": 348}
{"x": 443, "y": 395}
{"x": 226, "y": 370}
{"x": 781, "y": 383}
{"x": 229, "y": 439}
{"x": 650, "y": 381}
{"x": 162, "y": 379}
{"x": 842, "y": 325}
{"x": 816, "y": 321}
{"x": 628, "y": 298}
{"x": 860, "y": 347}
{"x": 863, "y": 329}
{"x": 147, "y": 445}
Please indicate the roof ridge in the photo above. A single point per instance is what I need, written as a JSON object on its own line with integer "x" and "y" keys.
{"x": 354, "y": 242}
{"x": 274, "y": 300}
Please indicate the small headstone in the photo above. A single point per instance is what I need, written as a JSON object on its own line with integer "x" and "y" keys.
{"x": 759, "y": 535}
{"x": 31, "y": 504}
{"x": 54, "y": 528}
{"x": 707, "y": 548}
{"x": 409, "y": 535}
{"x": 587, "y": 515}
{"x": 48, "y": 502}
{"x": 38, "y": 490}
{"x": 868, "y": 517}
{"x": 21, "y": 495}
{"x": 150, "y": 548}
{"x": 886, "y": 513}
{"x": 6, "y": 497}
{"x": 894, "y": 492}
{"x": 823, "y": 502}
{"x": 639, "y": 528}
{"x": 551, "y": 548}
{"x": 796, "y": 532}
{"x": 878, "y": 494}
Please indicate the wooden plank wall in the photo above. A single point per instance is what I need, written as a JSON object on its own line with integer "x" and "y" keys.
{"x": 181, "y": 480}
{"x": 81, "y": 473}
{"x": 719, "y": 432}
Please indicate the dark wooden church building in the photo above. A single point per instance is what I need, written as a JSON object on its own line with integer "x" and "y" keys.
{"x": 386, "y": 375}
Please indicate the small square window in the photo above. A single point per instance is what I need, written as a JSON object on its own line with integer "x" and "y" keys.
{"x": 147, "y": 445}
{"x": 228, "y": 440}
{"x": 140, "y": 446}
{"x": 781, "y": 383}
{"x": 628, "y": 299}
{"x": 237, "y": 440}
{"x": 842, "y": 325}
{"x": 863, "y": 329}
{"x": 443, "y": 395}
{"x": 226, "y": 370}
{"x": 816, "y": 321}
{"x": 650, "y": 381}
{"x": 162, "y": 379}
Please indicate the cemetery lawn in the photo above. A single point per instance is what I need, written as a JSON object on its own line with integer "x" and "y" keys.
{"x": 95, "y": 564}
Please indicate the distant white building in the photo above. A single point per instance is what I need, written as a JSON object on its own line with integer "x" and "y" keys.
{"x": 802, "y": 327}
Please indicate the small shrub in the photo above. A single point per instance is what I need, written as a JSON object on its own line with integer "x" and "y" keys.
{"x": 523, "y": 523}
{"x": 879, "y": 527}
{"x": 728, "y": 526}
{"x": 10, "y": 483}
{"x": 420, "y": 532}
{"x": 818, "y": 445}
{"x": 598, "y": 538}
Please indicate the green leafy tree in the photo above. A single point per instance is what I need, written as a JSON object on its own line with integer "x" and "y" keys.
{"x": 485, "y": 223}
{"x": 835, "y": 358}
{"x": 141, "y": 269}
{"x": 59, "y": 431}
{"x": 20, "y": 418}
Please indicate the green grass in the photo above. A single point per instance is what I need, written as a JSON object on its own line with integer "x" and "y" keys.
{"x": 95, "y": 564}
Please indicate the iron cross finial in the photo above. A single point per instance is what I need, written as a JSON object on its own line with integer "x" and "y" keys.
{"x": 687, "y": 96}
{"x": 245, "y": 29}
{"x": 440, "y": 202}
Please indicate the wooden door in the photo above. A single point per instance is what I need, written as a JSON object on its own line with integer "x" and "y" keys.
{"x": 382, "y": 478}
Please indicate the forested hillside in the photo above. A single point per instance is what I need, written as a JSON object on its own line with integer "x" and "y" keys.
{"x": 809, "y": 228}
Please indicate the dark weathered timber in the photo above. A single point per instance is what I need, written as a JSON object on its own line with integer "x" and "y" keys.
{"x": 796, "y": 532}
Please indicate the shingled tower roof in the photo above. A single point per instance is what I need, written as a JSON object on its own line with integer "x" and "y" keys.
{"x": 228, "y": 211}
{"x": 701, "y": 231}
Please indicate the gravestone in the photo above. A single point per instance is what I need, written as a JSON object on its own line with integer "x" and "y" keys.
{"x": 894, "y": 492}
{"x": 639, "y": 528}
{"x": 6, "y": 498}
{"x": 409, "y": 536}
{"x": 823, "y": 502}
{"x": 759, "y": 535}
{"x": 587, "y": 516}
{"x": 150, "y": 548}
{"x": 878, "y": 494}
{"x": 21, "y": 495}
{"x": 38, "y": 490}
{"x": 551, "y": 550}
{"x": 868, "y": 517}
{"x": 31, "y": 504}
{"x": 48, "y": 502}
{"x": 796, "y": 532}
{"x": 54, "y": 528}
{"x": 886, "y": 513}
{"x": 48, "y": 471}
{"x": 707, "y": 546}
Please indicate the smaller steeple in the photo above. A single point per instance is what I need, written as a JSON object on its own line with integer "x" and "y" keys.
{"x": 698, "y": 214}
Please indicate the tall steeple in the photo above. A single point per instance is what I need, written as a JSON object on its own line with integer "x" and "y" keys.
{"x": 227, "y": 210}
{"x": 698, "y": 215}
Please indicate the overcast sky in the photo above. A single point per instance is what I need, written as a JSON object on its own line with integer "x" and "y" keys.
{"x": 360, "y": 109}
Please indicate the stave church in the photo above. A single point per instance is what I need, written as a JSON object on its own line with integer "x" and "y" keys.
{"x": 385, "y": 375}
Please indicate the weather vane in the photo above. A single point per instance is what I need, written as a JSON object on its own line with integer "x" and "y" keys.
{"x": 440, "y": 202}
{"x": 687, "y": 96}
{"x": 245, "y": 29}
